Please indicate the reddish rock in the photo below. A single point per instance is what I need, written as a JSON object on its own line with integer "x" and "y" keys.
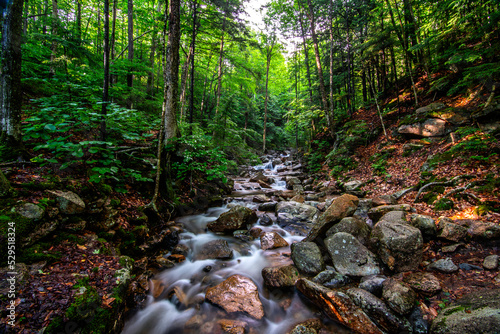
{"x": 272, "y": 240}
{"x": 237, "y": 294}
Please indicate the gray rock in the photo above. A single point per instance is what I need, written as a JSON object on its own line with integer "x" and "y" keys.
{"x": 299, "y": 211}
{"x": 215, "y": 249}
{"x": 30, "y": 211}
{"x": 394, "y": 216}
{"x": 443, "y": 265}
{"x": 331, "y": 279}
{"x": 484, "y": 230}
{"x": 307, "y": 258}
{"x": 425, "y": 224}
{"x": 237, "y": 218}
{"x": 341, "y": 207}
{"x": 478, "y": 312}
{"x": 266, "y": 220}
{"x": 269, "y": 207}
{"x": 431, "y": 107}
{"x": 399, "y": 245}
{"x": 372, "y": 284}
{"x": 280, "y": 277}
{"x": 378, "y": 212}
{"x": 352, "y": 225}
{"x": 432, "y": 127}
{"x": 68, "y": 202}
{"x": 448, "y": 230}
{"x": 350, "y": 257}
{"x": 379, "y": 312}
{"x": 384, "y": 200}
{"x": 423, "y": 282}
{"x": 491, "y": 262}
{"x": 353, "y": 185}
{"x": 399, "y": 296}
{"x": 419, "y": 324}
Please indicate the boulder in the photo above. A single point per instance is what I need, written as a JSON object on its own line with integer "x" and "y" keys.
{"x": 296, "y": 217}
{"x": 399, "y": 296}
{"x": 30, "y": 211}
{"x": 384, "y": 200}
{"x": 259, "y": 176}
{"x": 266, "y": 220}
{"x": 443, "y": 265}
{"x": 491, "y": 262}
{"x": 331, "y": 278}
{"x": 215, "y": 249}
{"x": 237, "y": 218}
{"x": 435, "y": 106}
{"x": 268, "y": 206}
{"x": 237, "y": 294}
{"x": 448, "y": 230}
{"x": 338, "y": 306}
{"x": 272, "y": 240}
{"x": 399, "y": 245}
{"x": 280, "y": 277}
{"x": 307, "y": 258}
{"x": 432, "y": 127}
{"x": 372, "y": 284}
{"x": 379, "y": 312}
{"x": 341, "y": 207}
{"x": 478, "y": 312}
{"x": 425, "y": 224}
{"x": 354, "y": 185}
{"x": 68, "y": 202}
{"x": 350, "y": 257}
{"x": 354, "y": 226}
{"x": 261, "y": 199}
{"x": 377, "y": 212}
{"x": 484, "y": 230}
{"x": 423, "y": 282}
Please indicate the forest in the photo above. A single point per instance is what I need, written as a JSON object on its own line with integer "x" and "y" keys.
{"x": 141, "y": 112}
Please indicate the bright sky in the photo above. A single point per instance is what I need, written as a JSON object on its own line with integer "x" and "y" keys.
{"x": 252, "y": 7}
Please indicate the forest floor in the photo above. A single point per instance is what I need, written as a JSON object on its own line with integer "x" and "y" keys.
{"x": 47, "y": 290}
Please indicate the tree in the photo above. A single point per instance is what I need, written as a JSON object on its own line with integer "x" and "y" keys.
{"x": 11, "y": 94}
{"x": 105, "y": 86}
{"x": 271, "y": 43}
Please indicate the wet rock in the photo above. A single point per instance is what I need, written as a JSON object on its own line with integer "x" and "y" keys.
{"x": 30, "y": 211}
{"x": 376, "y": 213}
{"x": 379, "y": 312}
{"x": 399, "y": 245}
{"x": 268, "y": 207}
{"x": 311, "y": 326}
{"x": 341, "y": 207}
{"x": 399, "y": 296}
{"x": 291, "y": 181}
{"x": 236, "y": 218}
{"x": 237, "y": 294}
{"x": 423, "y": 282}
{"x": 338, "y": 306}
{"x": 491, "y": 262}
{"x": 384, "y": 200}
{"x": 298, "y": 199}
{"x": 307, "y": 258}
{"x": 261, "y": 199}
{"x": 484, "y": 230}
{"x": 425, "y": 224}
{"x": 39, "y": 232}
{"x": 68, "y": 202}
{"x": 266, "y": 220}
{"x": 215, "y": 249}
{"x": 272, "y": 240}
{"x": 372, "y": 284}
{"x": 263, "y": 184}
{"x": 468, "y": 266}
{"x": 255, "y": 232}
{"x": 331, "y": 279}
{"x": 181, "y": 249}
{"x": 296, "y": 217}
{"x": 232, "y": 326}
{"x": 419, "y": 324}
{"x": 280, "y": 277}
{"x": 448, "y": 230}
{"x": 478, "y": 312}
{"x": 259, "y": 176}
{"x": 354, "y": 226}
{"x": 350, "y": 257}
{"x": 443, "y": 265}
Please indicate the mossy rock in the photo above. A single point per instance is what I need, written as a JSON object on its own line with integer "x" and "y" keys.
{"x": 443, "y": 204}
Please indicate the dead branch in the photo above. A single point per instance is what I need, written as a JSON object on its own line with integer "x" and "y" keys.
{"x": 446, "y": 183}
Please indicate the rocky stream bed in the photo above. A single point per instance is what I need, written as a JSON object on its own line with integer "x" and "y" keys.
{"x": 282, "y": 256}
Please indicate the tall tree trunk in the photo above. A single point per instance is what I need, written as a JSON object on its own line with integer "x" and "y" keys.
{"x": 219, "y": 73}
{"x": 269, "y": 52}
{"x": 330, "y": 112}
{"x": 193, "y": 43}
{"x": 184, "y": 80}
{"x": 11, "y": 94}
{"x": 105, "y": 86}
{"x": 53, "y": 47}
{"x": 79, "y": 21}
{"x": 130, "y": 32}
{"x": 306, "y": 57}
{"x": 322, "y": 89}
{"x": 113, "y": 77}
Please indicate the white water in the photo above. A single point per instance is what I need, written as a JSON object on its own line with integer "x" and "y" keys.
{"x": 191, "y": 278}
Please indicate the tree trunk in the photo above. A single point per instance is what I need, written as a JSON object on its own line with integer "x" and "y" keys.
{"x": 219, "y": 74}
{"x": 53, "y": 47}
{"x": 269, "y": 51}
{"x": 193, "y": 43}
{"x": 112, "y": 78}
{"x": 130, "y": 31}
{"x": 11, "y": 94}
{"x": 306, "y": 58}
{"x": 105, "y": 86}
{"x": 322, "y": 90}
{"x": 79, "y": 21}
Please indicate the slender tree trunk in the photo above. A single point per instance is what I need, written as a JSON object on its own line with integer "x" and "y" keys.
{"x": 202, "y": 104}
{"x": 330, "y": 112}
{"x": 11, "y": 94}
{"x": 219, "y": 73}
{"x": 184, "y": 80}
{"x": 322, "y": 90}
{"x": 79, "y": 21}
{"x": 105, "y": 86}
{"x": 54, "y": 32}
{"x": 193, "y": 43}
{"x": 306, "y": 58}
{"x": 130, "y": 32}
{"x": 112, "y": 78}
{"x": 269, "y": 52}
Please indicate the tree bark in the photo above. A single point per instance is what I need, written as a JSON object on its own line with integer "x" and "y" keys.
{"x": 53, "y": 47}
{"x": 10, "y": 79}
{"x": 193, "y": 43}
{"x": 269, "y": 52}
{"x": 105, "y": 86}
{"x": 130, "y": 32}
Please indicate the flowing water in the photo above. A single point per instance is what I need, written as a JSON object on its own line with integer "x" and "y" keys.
{"x": 180, "y": 307}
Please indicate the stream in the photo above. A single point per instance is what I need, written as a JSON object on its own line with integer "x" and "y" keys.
{"x": 176, "y": 303}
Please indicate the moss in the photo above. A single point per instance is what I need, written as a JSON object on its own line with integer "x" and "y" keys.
{"x": 443, "y": 204}
{"x": 33, "y": 185}
{"x": 429, "y": 198}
